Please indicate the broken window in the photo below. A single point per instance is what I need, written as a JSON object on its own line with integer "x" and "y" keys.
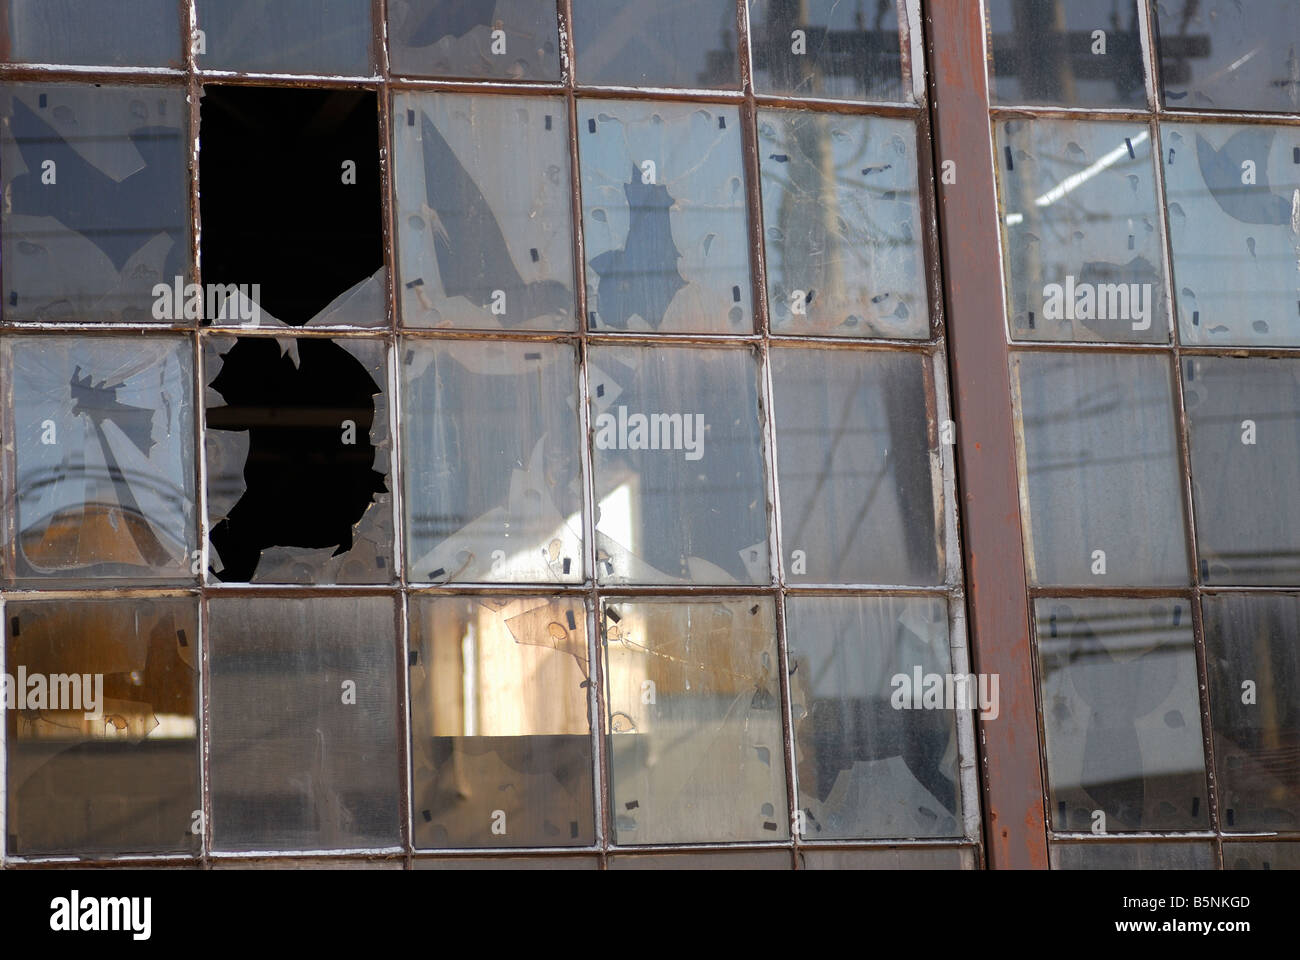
{"x": 1132, "y": 856}
{"x": 114, "y": 33}
{"x": 656, "y": 43}
{"x": 287, "y": 36}
{"x": 501, "y": 39}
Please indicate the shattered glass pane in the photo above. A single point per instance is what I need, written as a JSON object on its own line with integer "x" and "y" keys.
{"x": 1234, "y": 228}
{"x": 678, "y": 464}
{"x": 1132, "y": 856}
{"x": 103, "y": 752}
{"x": 501, "y": 743}
{"x": 298, "y": 457}
{"x": 1282, "y": 855}
{"x": 303, "y": 723}
{"x": 114, "y": 33}
{"x": 1101, "y": 474}
{"x": 96, "y": 210}
{"x": 1121, "y": 715}
{"x": 711, "y": 860}
{"x": 656, "y": 43}
{"x": 103, "y": 458}
{"x": 287, "y": 36}
{"x": 492, "y": 466}
{"x": 896, "y": 858}
{"x": 1084, "y": 260}
{"x": 499, "y": 39}
{"x": 842, "y": 225}
{"x": 484, "y": 215}
{"x": 664, "y": 217}
{"x": 694, "y": 725}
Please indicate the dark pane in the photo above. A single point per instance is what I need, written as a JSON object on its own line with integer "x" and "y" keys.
{"x": 501, "y": 39}
{"x": 890, "y": 858}
{"x": 1261, "y": 856}
{"x": 656, "y": 43}
{"x": 1132, "y": 856}
{"x": 287, "y": 36}
{"x": 713, "y": 860}
{"x": 113, "y": 33}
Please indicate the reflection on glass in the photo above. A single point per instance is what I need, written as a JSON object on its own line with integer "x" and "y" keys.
{"x": 656, "y": 43}
{"x": 500, "y": 740}
{"x": 96, "y": 200}
{"x": 694, "y": 727}
{"x": 1132, "y": 856}
{"x": 678, "y": 462}
{"x": 112, "y": 33}
{"x": 842, "y": 226}
{"x": 302, "y": 723}
{"x": 287, "y": 36}
{"x": 492, "y": 462}
{"x": 103, "y": 753}
{"x": 484, "y": 220}
{"x": 886, "y": 858}
{"x": 1282, "y": 855}
{"x": 1121, "y": 715}
{"x": 1083, "y": 252}
{"x": 1101, "y": 477}
{"x": 501, "y": 39}
{"x": 664, "y": 218}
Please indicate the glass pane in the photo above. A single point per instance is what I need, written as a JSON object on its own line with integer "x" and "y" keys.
{"x": 102, "y": 474}
{"x": 896, "y": 858}
{"x": 842, "y": 225}
{"x": 103, "y": 753}
{"x": 501, "y": 39}
{"x": 1132, "y": 856}
{"x": 1232, "y": 197}
{"x": 298, "y": 457}
{"x": 484, "y": 215}
{"x": 678, "y": 460}
{"x": 287, "y": 36}
{"x": 1121, "y": 716}
{"x": 663, "y": 217}
{"x": 500, "y": 740}
{"x": 656, "y": 43}
{"x": 876, "y": 756}
{"x": 113, "y": 33}
{"x": 1261, "y": 856}
{"x": 712, "y": 860}
{"x": 1101, "y": 476}
{"x": 1252, "y": 647}
{"x": 492, "y": 462}
{"x": 694, "y": 726}
{"x": 1084, "y": 257}
{"x": 858, "y": 466}
{"x": 96, "y": 210}
{"x": 506, "y": 863}
{"x": 303, "y": 723}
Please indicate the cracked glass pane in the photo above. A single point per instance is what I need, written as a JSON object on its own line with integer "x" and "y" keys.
{"x": 484, "y": 211}
{"x": 102, "y": 468}
{"x": 96, "y": 210}
{"x": 842, "y": 225}
{"x": 678, "y": 464}
{"x": 694, "y": 725}
{"x": 1282, "y": 855}
{"x": 889, "y": 858}
{"x": 1084, "y": 257}
{"x": 1121, "y": 715}
{"x": 303, "y": 723}
{"x": 103, "y": 752}
{"x": 498, "y": 39}
{"x": 1234, "y": 227}
{"x": 1132, "y": 856}
{"x": 664, "y": 217}
{"x": 287, "y": 36}
{"x": 500, "y": 737}
{"x": 113, "y": 33}
{"x": 656, "y": 43}
{"x": 298, "y": 460}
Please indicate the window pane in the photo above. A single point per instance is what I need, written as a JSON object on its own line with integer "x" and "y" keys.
{"x": 694, "y": 725}
{"x": 1261, "y": 856}
{"x": 712, "y": 860}
{"x": 287, "y": 36}
{"x": 501, "y": 39}
{"x": 115, "y": 33}
{"x": 895, "y": 858}
{"x": 505, "y": 863}
{"x": 656, "y": 43}
{"x": 1132, "y": 856}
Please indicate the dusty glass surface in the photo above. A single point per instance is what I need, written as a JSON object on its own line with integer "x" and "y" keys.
{"x": 103, "y": 754}
{"x": 1234, "y": 228}
{"x": 656, "y": 43}
{"x": 677, "y": 452}
{"x": 500, "y": 738}
{"x": 895, "y": 858}
{"x": 875, "y": 757}
{"x": 664, "y": 217}
{"x": 1121, "y": 715}
{"x": 302, "y": 723}
{"x": 1261, "y": 856}
{"x": 114, "y": 33}
{"x": 96, "y": 210}
{"x": 1131, "y": 856}
{"x": 1100, "y": 493}
{"x": 842, "y": 225}
{"x": 498, "y": 39}
{"x": 694, "y": 727}
{"x": 712, "y": 860}
{"x": 102, "y": 471}
{"x": 287, "y": 36}
{"x": 1080, "y": 53}
{"x": 484, "y": 214}
{"x": 1243, "y": 417}
{"x": 298, "y": 457}
{"x": 1083, "y": 252}
{"x": 860, "y": 483}
{"x": 505, "y": 863}
{"x": 1252, "y": 653}
{"x": 492, "y": 468}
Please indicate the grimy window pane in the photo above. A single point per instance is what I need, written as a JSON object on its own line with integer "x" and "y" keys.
{"x": 287, "y": 36}
{"x": 656, "y": 43}
{"x": 842, "y": 225}
{"x": 500, "y": 739}
{"x": 1282, "y": 855}
{"x": 303, "y": 723}
{"x": 492, "y": 467}
{"x": 857, "y": 462}
{"x": 694, "y": 726}
{"x": 115, "y": 33}
{"x": 664, "y": 217}
{"x": 875, "y": 749}
{"x": 484, "y": 211}
{"x": 889, "y": 858}
{"x": 496, "y": 39}
{"x": 103, "y": 754}
{"x": 712, "y": 860}
{"x": 1121, "y": 716}
{"x": 1132, "y": 856}
{"x": 1100, "y": 488}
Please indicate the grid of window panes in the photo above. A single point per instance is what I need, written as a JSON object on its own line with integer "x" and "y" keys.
{"x": 596, "y": 506}
{"x": 1149, "y": 178}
